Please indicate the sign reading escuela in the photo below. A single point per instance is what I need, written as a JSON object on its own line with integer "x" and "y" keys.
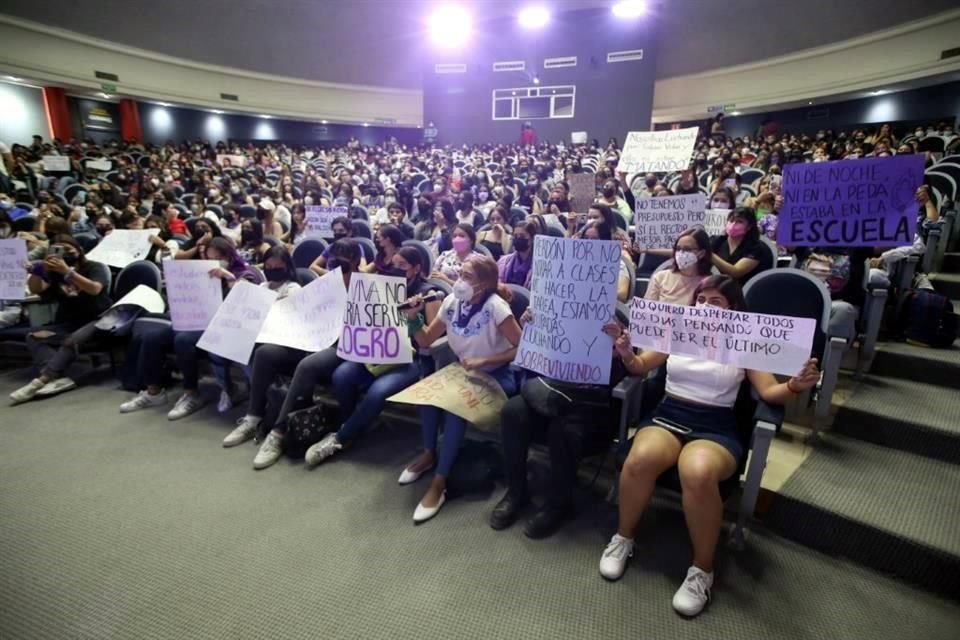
{"x": 657, "y": 151}
{"x": 852, "y": 203}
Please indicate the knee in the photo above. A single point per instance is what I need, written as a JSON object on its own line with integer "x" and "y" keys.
{"x": 341, "y": 377}
{"x": 698, "y": 475}
{"x": 642, "y": 462}
{"x": 183, "y": 342}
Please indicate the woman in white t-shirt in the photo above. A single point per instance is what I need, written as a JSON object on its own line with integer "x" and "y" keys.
{"x": 484, "y": 335}
{"x": 696, "y": 430}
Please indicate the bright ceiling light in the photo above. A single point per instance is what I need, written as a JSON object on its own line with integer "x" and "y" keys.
{"x": 878, "y": 92}
{"x": 450, "y": 26}
{"x": 323, "y": 122}
{"x": 105, "y": 95}
{"x": 366, "y": 124}
{"x": 533, "y": 17}
{"x": 630, "y": 8}
{"x": 536, "y": 79}
{"x": 217, "y": 111}
{"x": 164, "y": 104}
{"x": 734, "y": 113}
{"x": 265, "y": 116}
{"x": 13, "y": 78}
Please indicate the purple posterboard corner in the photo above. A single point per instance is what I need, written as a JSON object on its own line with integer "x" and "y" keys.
{"x": 850, "y": 203}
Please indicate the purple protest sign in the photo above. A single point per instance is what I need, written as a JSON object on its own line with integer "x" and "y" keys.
{"x": 850, "y": 203}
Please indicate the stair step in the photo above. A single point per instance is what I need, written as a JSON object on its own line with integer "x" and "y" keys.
{"x": 947, "y": 283}
{"x": 951, "y": 262}
{"x": 902, "y": 414}
{"x": 890, "y": 510}
{"x": 921, "y": 364}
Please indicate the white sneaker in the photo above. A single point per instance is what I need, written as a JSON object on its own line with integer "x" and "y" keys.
{"x": 143, "y": 400}
{"x": 694, "y": 593}
{"x": 246, "y": 429}
{"x": 54, "y": 387}
{"x": 322, "y": 450}
{"x": 225, "y": 403}
{"x": 186, "y": 404}
{"x": 27, "y": 391}
{"x": 269, "y": 452}
{"x": 614, "y": 560}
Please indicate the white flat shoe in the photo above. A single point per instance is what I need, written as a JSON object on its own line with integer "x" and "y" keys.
{"x": 409, "y": 477}
{"x": 422, "y": 514}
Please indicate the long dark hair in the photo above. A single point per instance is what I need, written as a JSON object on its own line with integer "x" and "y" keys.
{"x": 227, "y": 249}
{"x": 700, "y": 236}
{"x": 256, "y": 228}
{"x": 281, "y": 252}
{"x": 749, "y": 216}
{"x": 727, "y": 287}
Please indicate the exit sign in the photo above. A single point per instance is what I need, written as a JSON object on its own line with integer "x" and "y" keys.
{"x": 108, "y": 88}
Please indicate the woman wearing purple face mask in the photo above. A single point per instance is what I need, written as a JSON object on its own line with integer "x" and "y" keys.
{"x": 740, "y": 253}
{"x": 463, "y": 238}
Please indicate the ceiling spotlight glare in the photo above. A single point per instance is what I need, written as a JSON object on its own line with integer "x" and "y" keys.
{"x": 450, "y": 26}
{"x": 630, "y": 8}
{"x": 265, "y": 116}
{"x": 533, "y": 17}
{"x": 366, "y": 124}
{"x": 536, "y": 79}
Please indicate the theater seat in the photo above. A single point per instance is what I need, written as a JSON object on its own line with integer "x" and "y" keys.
{"x": 361, "y": 229}
{"x": 425, "y": 254}
{"x": 520, "y": 300}
{"x": 133, "y": 275}
{"x": 367, "y": 247}
{"x": 305, "y": 276}
{"x": 307, "y": 251}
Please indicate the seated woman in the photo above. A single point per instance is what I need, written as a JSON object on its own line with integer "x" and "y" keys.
{"x": 517, "y": 267}
{"x": 463, "y": 238}
{"x": 842, "y": 271}
{"x": 602, "y": 231}
{"x": 691, "y": 264}
{"x": 388, "y": 239}
{"x": 342, "y": 228}
{"x": 700, "y": 397}
{"x": 81, "y": 289}
{"x": 483, "y": 334}
{"x": 162, "y": 245}
{"x": 308, "y": 369}
{"x": 378, "y": 382}
{"x": 495, "y": 235}
{"x": 151, "y": 349}
{"x": 298, "y": 227}
{"x": 252, "y": 247}
{"x": 722, "y": 198}
{"x": 435, "y": 231}
{"x": 740, "y": 253}
{"x": 397, "y": 213}
{"x": 202, "y": 231}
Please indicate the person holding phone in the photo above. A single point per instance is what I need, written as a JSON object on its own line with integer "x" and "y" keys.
{"x": 694, "y": 428}
{"x": 495, "y": 235}
{"x": 81, "y": 290}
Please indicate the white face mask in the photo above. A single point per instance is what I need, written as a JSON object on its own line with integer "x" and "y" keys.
{"x": 308, "y": 201}
{"x": 389, "y": 200}
{"x": 718, "y": 204}
{"x": 685, "y": 259}
{"x": 463, "y": 290}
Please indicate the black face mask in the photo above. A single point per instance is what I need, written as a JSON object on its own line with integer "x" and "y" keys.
{"x": 198, "y": 233}
{"x": 333, "y": 263}
{"x": 650, "y": 182}
{"x": 397, "y": 272}
{"x": 608, "y": 192}
{"x": 339, "y": 236}
{"x": 521, "y": 244}
{"x": 276, "y": 275}
{"x": 246, "y": 236}
{"x": 71, "y": 259}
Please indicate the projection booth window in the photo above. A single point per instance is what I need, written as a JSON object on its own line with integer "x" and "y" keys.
{"x": 534, "y": 103}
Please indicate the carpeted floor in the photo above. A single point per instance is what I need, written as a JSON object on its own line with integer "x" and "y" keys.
{"x": 131, "y": 526}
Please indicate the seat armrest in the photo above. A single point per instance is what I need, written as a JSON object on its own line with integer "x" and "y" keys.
{"x": 769, "y": 414}
{"x": 627, "y": 386}
{"x": 629, "y": 392}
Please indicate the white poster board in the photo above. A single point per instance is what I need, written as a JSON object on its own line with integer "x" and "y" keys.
{"x": 56, "y": 163}
{"x": 144, "y": 297}
{"x": 578, "y": 137}
{"x": 101, "y": 164}
{"x": 657, "y": 151}
{"x": 13, "y": 271}
{"x": 715, "y": 221}
{"x": 192, "y": 294}
{"x": 374, "y": 331}
{"x": 659, "y": 221}
{"x": 234, "y": 329}
{"x": 311, "y": 318}
{"x": 320, "y": 219}
{"x": 573, "y": 295}
{"x": 226, "y": 159}
{"x": 123, "y": 246}
{"x": 778, "y": 344}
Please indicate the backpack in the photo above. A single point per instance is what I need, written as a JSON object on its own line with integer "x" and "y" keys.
{"x": 478, "y": 465}
{"x": 927, "y": 319}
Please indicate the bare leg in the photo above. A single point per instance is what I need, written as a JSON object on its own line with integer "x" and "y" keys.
{"x": 703, "y": 465}
{"x": 654, "y": 451}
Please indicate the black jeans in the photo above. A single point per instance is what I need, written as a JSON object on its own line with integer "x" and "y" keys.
{"x": 270, "y": 361}
{"x": 567, "y": 435}
{"x": 53, "y": 355}
{"x": 316, "y": 368}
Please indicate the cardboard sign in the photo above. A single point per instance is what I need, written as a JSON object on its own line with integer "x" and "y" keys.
{"x": 374, "y": 331}
{"x": 311, "y": 318}
{"x": 657, "y": 151}
{"x": 320, "y": 219}
{"x": 123, "y": 246}
{"x": 573, "y": 295}
{"x": 56, "y": 163}
{"x": 475, "y": 396}
{"x": 778, "y": 344}
{"x": 13, "y": 272}
{"x": 99, "y": 165}
{"x": 226, "y": 159}
{"x": 850, "y": 203}
{"x": 237, "y": 323}
{"x": 660, "y": 220}
{"x": 192, "y": 294}
{"x": 583, "y": 191}
{"x": 144, "y": 297}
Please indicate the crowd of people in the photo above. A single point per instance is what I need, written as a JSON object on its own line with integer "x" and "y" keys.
{"x": 478, "y": 211}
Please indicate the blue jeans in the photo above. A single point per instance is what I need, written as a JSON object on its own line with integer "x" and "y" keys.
{"x": 454, "y": 427}
{"x": 350, "y": 378}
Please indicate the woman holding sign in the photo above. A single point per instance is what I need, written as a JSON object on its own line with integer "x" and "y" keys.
{"x": 695, "y": 429}
{"x": 484, "y": 335}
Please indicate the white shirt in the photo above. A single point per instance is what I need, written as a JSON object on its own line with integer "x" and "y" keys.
{"x": 481, "y": 338}
{"x": 284, "y": 289}
{"x": 702, "y": 381}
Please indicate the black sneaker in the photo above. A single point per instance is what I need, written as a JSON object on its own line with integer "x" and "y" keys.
{"x": 547, "y": 521}
{"x": 507, "y": 511}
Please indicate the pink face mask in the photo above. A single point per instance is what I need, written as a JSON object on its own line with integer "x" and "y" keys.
{"x": 460, "y": 244}
{"x": 736, "y": 229}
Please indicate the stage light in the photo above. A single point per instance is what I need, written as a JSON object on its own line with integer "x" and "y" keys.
{"x": 450, "y": 26}
{"x": 533, "y": 17}
{"x": 630, "y": 8}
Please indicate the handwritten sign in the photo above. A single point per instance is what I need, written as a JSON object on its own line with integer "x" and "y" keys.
{"x": 657, "y": 151}
{"x": 56, "y": 163}
{"x": 237, "y": 323}
{"x": 123, "y": 246}
{"x": 101, "y": 164}
{"x": 320, "y": 219}
{"x": 147, "y": 298}
{"x": 311, "y": 318}
{"x": 778, "y": 344}
{"x": 573, "y": 294}
{"x": 852, "y": 203}
{"x": 192, "y": 294}
{"x": 660, "y": 220}
{"x": 474, "y": 396}
{"x": 578, "y": 137}
{"x": 715, "y": 221}
{"x": 13, "y": 274}
{"x": 583, "y": 190}
{"x": 374, "y": 332}
{"x": 226, "y": 159}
